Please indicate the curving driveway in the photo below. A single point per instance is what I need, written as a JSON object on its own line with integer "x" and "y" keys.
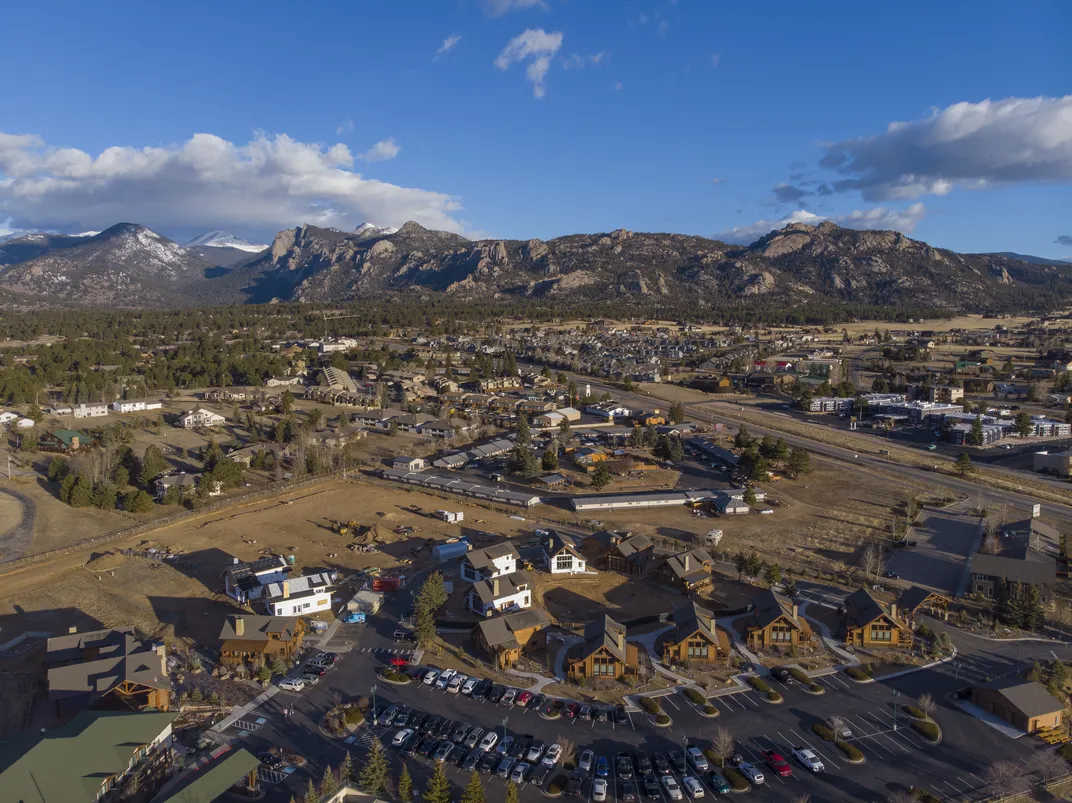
{"x": 15, "y": 541}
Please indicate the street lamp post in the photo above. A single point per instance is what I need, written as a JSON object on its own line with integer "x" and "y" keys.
{"x": 896, "y": 694}
{"x": 375, "y": 719}
{"x": 685, "y": 751}
{"x": 504, "y": 728}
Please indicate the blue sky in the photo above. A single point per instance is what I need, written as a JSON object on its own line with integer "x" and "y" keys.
{"x": 538, "y": 119}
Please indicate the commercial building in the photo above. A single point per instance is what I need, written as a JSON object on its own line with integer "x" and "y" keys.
{"x": 605, "y": 652}
{"x": 300, "y": 596}
{"x": 1023, "y": 559}
{"x": 831, "y": 404}
{"x": 90, "y": 410}
{"x": 775, "y": 623}
{"x": 504, "y": 639}
{"x": 643, "y": 500}
{"x": 870, "y": 623}
{"x": 1024, "y": 704}
{"x": 135, "y": 405}
{"x": 1057, "y": 463}
{"x": 454, "y": 485}
{"x": 263, "y": 638}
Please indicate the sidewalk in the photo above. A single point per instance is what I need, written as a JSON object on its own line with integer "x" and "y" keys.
{"x": 647, "y": 641}
{"x": 829, "y": 640}
{"x": 240, "y": 711}
{"x": 726, "y": 623}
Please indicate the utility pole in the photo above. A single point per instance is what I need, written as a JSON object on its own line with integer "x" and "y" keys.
{"x": 504, "y": 729}
{"x": 375, "y": 719}
{"x": 896, "y": 694}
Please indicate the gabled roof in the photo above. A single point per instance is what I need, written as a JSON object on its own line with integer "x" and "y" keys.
{"x": 695, "y": 570}
{"x": 605, "y": 633}
{"x": 770, "y": 606}
{"x": 1028, "y": 697}
{"x": 207, "y": 781}
{"x": 862, "y": 609}
{"x": 634, "y": 545}
{"x": 915, "y": 596}
{"x": 307, "y": 585}
{"x": 259, "y": 628}
{"x": 71, "y": 763}
{"x": 556, "y": 542}
{"x": 498, "y": 631}
{"x": 485, "y": 558}
{"x": 130, "y": 661}
{"x": 693, "y": 618}
{"x": 509, "y": 584}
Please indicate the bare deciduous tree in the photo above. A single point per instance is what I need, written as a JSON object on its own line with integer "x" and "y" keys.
{"x": 871, "y": 559}
{"x": 837, "y": 724}
{"x": 926, "y": 704}
{"x": 569, "y": 751}
{"x": 1006, "y": 778}
{"x": 1047, "y": 765}
{"x": 723, "y": 744}
{"x": 901, "y": 796}
{"x": 804, "y": 797}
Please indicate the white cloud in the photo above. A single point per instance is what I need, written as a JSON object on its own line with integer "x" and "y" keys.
{"x": 642, "y": 19}
{"x": 597, "y": 58}
{"x": 448, "y": 45}
{"x": 535, "y": 44}
{"x": 663, "y": 27}
{"x": 269, "y": 183}
{"x": 575, "y": 61}
{"x": 878, "y": 217}
{"x": 382, "y": 151}
{"x": 496, "y": 8}
{"x": 967, "y": 145}
{"x": 717, "y": 180}
{"x": 716, "y": 59}
{"x": 345, "y": 127}
{"x": 617, "y": 86}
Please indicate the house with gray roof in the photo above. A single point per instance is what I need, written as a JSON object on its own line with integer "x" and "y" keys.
{"x": 501, "y": 593}
{"x": 492, "y": 561}
{"x": 1024, "y": 704}
{"x": 504, "y": 639}
{"x": 605, "y": 653}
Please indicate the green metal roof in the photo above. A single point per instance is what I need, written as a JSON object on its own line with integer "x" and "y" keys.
{"x": 69, "y": 764}
{"x": 205, "y": 784}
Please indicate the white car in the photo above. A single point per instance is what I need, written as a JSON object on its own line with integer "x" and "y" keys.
{"x": 766, "y": 512}
{"x": 693, "y": 787}
{"x": 520, "y": 771}
{"x": 553, "y": 754}
{"x": 444, "y": 678}
{"x": 431, "y": 677}
{"x": 292, "y": 684}
{"x": 599, "y": 789}
{"x": 673, "y": 791}
{"x": 455, "y": 684}
{"x": 751, "y": 772}
{"x": 469, "y": 685}
{"x": 808, "y": 759}
{"x": 400, "y": 737}
{"x": 489, "y": 740}
{"x": 588, "y": 758}
{"x": 508, "y": 697}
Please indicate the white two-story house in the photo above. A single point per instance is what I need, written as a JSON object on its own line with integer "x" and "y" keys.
{"x": 498, "y": 594}
{"x": 493, "y": 561}
{"x": 561, "y": 554}
{"x": 300, "y": 596}
{"x": 243, "y": 582}
{"x": 200, "y": 417}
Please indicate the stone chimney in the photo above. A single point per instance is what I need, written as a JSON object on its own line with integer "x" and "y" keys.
{"x": 621, "y": 641}
{"x": 240, "y": 625}
{"x": 893, "y": 610}
{"x": 685, "y": 561}
{"x": 495, "y": 587}
{"x": 794, "y": 610}
{"x": 286, "y": 589}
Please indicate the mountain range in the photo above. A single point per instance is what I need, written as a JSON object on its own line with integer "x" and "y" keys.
{"x": 129, "y": 265}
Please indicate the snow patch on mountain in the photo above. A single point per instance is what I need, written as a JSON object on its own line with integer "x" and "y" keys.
{"x": 224, "y": 239}
{"x": 372, "y": 230}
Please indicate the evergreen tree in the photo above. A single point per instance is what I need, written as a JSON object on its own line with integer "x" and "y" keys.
{"x": 1034, "y": 615}
{"x": 781, "y": 449}
{"x": 773, "y": 574}
{"x": 790, "y": 587}
{"x": 474, "y": 790}
{"x": 766, "y": 447}
{"x": 1002, "y": 609}
{"x": 104, "y": 496}
{"x": 328, "y": 782}
{"x": 754, "y": 564}
{"x": 743, "y": 439}
{"x": 749, "y": 496}
{"x": 798, "y": 462}
{"x": 1023, "y": 426}
{"x": 287, "y": 402}
{"x": 677, "y": 412}
{"x": 677, "y": 450}
{"x": 521, "y": 430}
{"x": 564, "y": 430}
{"x": 509, "y": 364}
{"x": 549, "y": 461}
{"x": 57, "y": 469}
{"x": 964, "y": 464}
{"x": 650, "y": 436}
{"x": 740, "y": 561}
{"x": 511, "y": 793}
{"x": 601, "y": 476}
{"x": 373, "y": 778}
{"x": 66, "y": 486}
{"x": 431, "y": 597}
{"x": 153, "y": 465}
{"x": 137, "y": 502}
{"x": 311, "y": 795}
{"x": 975, "y": 437}
{"x": 636, "y": 437}
{"x": 346, "y": 768}
{"x": 81, "y": 493}
{"x": 438, "y": 790}
{"x": 405, "y": 784}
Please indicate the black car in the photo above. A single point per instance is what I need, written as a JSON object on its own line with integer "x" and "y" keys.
{"x": 537, "y": 702}
{"x": 444, "y": 728}
{"x": 781, "y": 674}
{"x": 677, "y": 761}
{"x": 585, "y": 712}
{"x": 601, "y": 714}
{"x": 623, "y": 766}
{"x": 651, "y": 787}
{"x": 460, "y": 755}
{"x": 642, "y": 762}
{"x": 496, "y": 693}
{"x": 472, "y": 759}
{"x": 406, "y": 636}
{"x": 430, "y": 724}
{"x": 428, "y": 746}
{"x": 662, "y": 766}
{"x": 460, "y": 733}
{"x": 619, "y": 714}
{"x": 417, "y": 719}
{"x": 627, "y": 791}
{"x": 521, "y": 746}
{"x": 574, "y": 784}
{"x": 490, "y": 761}
{"x": 539, "y": 774}
{"x": 269, "y": 760}
{"x": 409, "y": 748}
{"x": 548, "y": 707}
{"x": 401, "y": 719}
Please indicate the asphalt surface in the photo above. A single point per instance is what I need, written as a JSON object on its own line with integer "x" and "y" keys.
{"x": 895, "y": 757}
{"x": 944, "y": 541}
{"x": 15, "y": 542}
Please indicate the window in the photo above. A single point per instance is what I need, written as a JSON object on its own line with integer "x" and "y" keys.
{"x": 564, "y": 563}
{"x": 698, "y": 648}
{"x": 881, "y": 632}
{"x": 602, "y": 666}
{"x": 781, "y": 634}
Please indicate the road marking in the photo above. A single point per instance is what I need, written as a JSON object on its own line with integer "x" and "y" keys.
{"x": 668, "y": 699}
{"x": 805, "y": 742}
{"x": 868, "y": 735}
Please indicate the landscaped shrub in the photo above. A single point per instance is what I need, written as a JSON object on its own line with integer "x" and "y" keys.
{"x": 395, "y": 677}
{"x": 558, "y": 783}
{"x": 927, "y": 729}
{"x": 554, "y": 713}
{"x": 651, "y": 705}
{"x": 737, "y": 781}
{"x": 1065, "y": 751}
{"x": 710, "y": 710}
{"x": 823, "y": 731}
{"x": 815, "y": 688}
{"x": 663, "y": 719}
{"x": 695, "y": 696}
{"x": 856, "y": 673}
{"x": 774, "y": 697}
{"x": 759, "y": 684}
{"x": 713, "y": 757}
{"x": 353, "y": 717}
{"x": 925, "y": 797}
{"x": 851, "y": 752}
{"x": 912, "y": 711}
{"x": 800, "y": 675}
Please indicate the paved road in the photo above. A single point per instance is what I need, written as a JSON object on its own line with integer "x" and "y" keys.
{"x": 16, "y": 541}
{"x": 944, "y": 541}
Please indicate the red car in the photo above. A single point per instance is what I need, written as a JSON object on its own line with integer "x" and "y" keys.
{"x": 571, "y": 709}
{"x": 777, "y": 763}
{"x": 523, "y": 699}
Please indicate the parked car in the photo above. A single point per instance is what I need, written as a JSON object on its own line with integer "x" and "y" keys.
{"x": 326, "y": 659}
{"x": 442, "y": 753}
{"x": 572, "y": 709}
{"x": 651, "y": 787}
{"x": 781, "y": 674}
{"x": 673, "y": 791}
{"x": 472, "y": 739}
{"x": 508, "y": 697}
{"x": 539, "y": 774}
{"x": 600, "y": 713}
{"x": 574, "y": 784}
{"x": 662, "y": 766}
{"x": 602, "y": 767}
{"x": 677, "y": 761}
{"x": 642, "y": 762}
{"x": 535, "y": 752}
{"x": 469, "y": 685}
{"x": 429, "y": 744}
{"x": 496, "y": 693}
{"x": 431, "y": 676}
{"x": 696, "y": 759}
{"x": 455, "y": 684}
{"x": 599, "y": 789}
{"x": 444, "y": 729}
{"x": 718, "y": 783}
{"x": 354, "y": 618}
{"x": 430, "y": 724}
{"x": 490, "y": 761}
{"x": 751, "y": 772}
{"x": 388, "y": 716}
{"x": 505, "y": 765}
{"x": 551, "y": 757}
{"x": 406, "y": 636}
{"x": 481, "y": 690}
{"x": 292, "y": 684}
{"x": 808, "y": 759}
{"x": 620, "y": 716}
{"x": 521, "y": 747}
{"x": 460, "y": 733}
{"x": 693, "y": 788}
{"x": 444, "y": 678}
{"x": 626, "y": 791}
{"x": 586, "y": 712}
{"x": 489, "y": 740}
{"x": 472, "y": 759}
{"x": 269, "y": 759}
{"x": 523, "y": 699}
{"x": 505, "y": 745}
{"x": 400, "y": 738}
{"x": 409, "y": 749}
{"x": 623, "y": 766}
{"x": 401, "y": 719}
{"x": 776, "y": 761}
{"x": 586, "y": 761}
{"x": 536, "y": 703}
{"x": 520, "y": 771}
{"x": 316, "y": 669}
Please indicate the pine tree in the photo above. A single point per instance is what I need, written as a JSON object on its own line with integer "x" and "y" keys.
{"x": 1002, "y": 609}
{"x": 740, "y": 562}
{"x": 677, "y": 450}
{"x": 153, "y": 465}
{"x": 564, "y": 429}
{"x": 438, "y": 790}
{"x": 549, "y": 461}
{"x": 742, "y": 440}
{"x": 405, "y": 784}
{"x": 81, "y": 493}
{"x": 677, "y": 412}
{"x": 964, "y": 464}
{"x": 511, "y": 793}
{"x": 975, "y": 437}
{"x": 601, "y": 476}
{"x": 431, "y": 597}
{"x": 1034, "y": 615}
{"x": 373, "y": 778}
{"x": 474, "y": 790}
{"x": 310, "y": 793}
{"x": 328, "y": 783}
{"x": 66, "y": 487}
{"x": 749, "y": 496}
{"x": 521, "y": 430}
{"x": 346, "y": 768}
{"x": 773, "y": 574}
{"x": 798, "y": 462}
